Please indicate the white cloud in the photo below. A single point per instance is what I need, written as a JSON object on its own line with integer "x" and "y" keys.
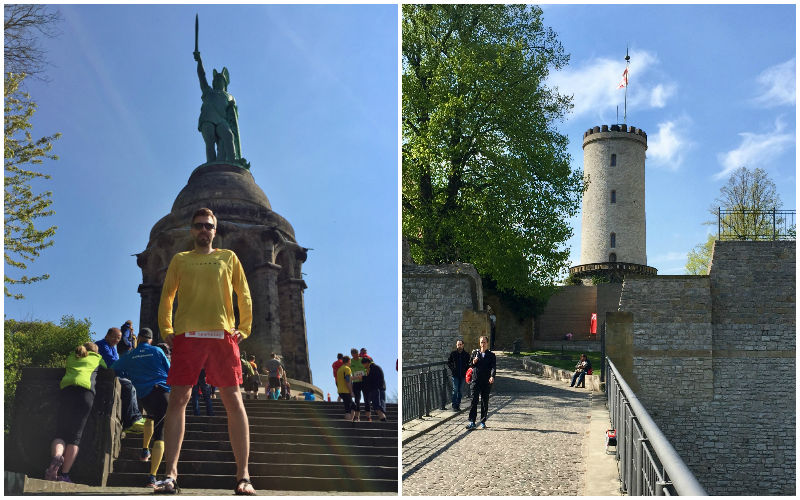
{"x": 666, "y": 148}
{"x": 660, "y": 94}
{"x": 777, "y": 84}
{"x": 755, "y": 150}
{"x": 594, "y": 85}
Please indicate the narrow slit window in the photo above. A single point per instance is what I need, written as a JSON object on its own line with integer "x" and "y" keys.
{"x": 613, "y": 240}
{"x": 613, "y": 160}
{"x": 612, "y": 257}
{"x": 613, "y": 196}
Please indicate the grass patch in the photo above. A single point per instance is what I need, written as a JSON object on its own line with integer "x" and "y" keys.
{"x": 562, "y": 359}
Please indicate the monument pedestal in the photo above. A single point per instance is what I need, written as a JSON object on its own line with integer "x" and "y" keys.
{"x": 266, "y": 246}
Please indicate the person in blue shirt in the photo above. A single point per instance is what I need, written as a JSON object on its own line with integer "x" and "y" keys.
{"x": 128, "y": 340}
{"x": 147, "y": 367}
{"x": 107, "y": 348}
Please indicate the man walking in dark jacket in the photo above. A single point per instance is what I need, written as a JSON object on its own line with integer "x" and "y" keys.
{"x": 458, "y": 364}
{"x": 484, "y": 366}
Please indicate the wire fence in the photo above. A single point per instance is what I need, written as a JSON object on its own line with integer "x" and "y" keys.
{"x": 756, "y": 225}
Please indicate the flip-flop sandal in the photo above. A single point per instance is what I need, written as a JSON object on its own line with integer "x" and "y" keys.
{"x": 167, "y": 486}
{"x": 243, "y": 491}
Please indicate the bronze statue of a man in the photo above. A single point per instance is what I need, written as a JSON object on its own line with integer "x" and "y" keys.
{"x": 219, "y": 118}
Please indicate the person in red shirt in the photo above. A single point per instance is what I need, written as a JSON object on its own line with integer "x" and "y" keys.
{"x": 337, "y": 364}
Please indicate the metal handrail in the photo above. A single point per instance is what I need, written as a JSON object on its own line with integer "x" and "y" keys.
{"x": 425, "y": 388}
{"x": 756, "y": 225}
{"x": 649, "y": 465}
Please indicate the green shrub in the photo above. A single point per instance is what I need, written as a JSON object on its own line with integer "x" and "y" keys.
{"x": 38, "y": 343}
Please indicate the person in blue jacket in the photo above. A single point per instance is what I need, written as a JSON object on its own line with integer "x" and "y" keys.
{"x": 147, "y": 367}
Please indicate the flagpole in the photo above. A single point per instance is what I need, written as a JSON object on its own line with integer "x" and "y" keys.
{"x": 627, "y": 64}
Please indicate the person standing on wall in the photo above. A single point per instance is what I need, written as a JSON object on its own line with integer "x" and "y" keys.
{"x": 484, "y": 366}
{"x": 204, "y": 335}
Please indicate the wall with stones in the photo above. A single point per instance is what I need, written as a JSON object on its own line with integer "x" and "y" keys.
{"x": 440, "y": 305}
{"x": 569, "y": 310}
{"x": 712, "y": 359}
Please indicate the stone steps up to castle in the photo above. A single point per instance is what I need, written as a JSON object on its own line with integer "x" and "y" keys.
{"x": 294, "y": 445}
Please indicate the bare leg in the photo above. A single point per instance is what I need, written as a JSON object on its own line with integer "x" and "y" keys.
{"x": 238, "y": 428}
{"x": 207, "y": 131}
{"x": 70, "y": 454}
{"x": 57, "y": 447}
{"x": 175, "y": 426}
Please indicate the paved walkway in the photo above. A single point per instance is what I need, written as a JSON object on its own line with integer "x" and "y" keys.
{"x": 539, "y": 440}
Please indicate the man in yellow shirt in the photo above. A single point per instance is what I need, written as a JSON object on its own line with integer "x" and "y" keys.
{"x": 345, "y": 387}
{"x": 204, "y": 336}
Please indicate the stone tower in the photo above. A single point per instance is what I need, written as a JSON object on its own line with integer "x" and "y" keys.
{"x": 265, "y": 244}
{"x": 613, "y": 232}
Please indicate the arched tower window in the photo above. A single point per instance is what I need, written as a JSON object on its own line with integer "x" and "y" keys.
{"x": 613, "y": 196}
{"x": 613, "y": 160}
{"x": 612, "y": 257}
{"x": 613, "y": 240}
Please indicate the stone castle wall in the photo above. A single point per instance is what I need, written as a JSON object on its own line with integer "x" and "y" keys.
{"x": 440, "y": 305}
{"x": 626, "y": 217}
{"x": 712, "y": 358}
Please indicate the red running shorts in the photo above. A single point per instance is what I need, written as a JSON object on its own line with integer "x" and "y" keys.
{"x": 220, "y": 358}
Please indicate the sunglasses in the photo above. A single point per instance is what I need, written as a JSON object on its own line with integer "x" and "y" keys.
{"x": 203, "y": 225}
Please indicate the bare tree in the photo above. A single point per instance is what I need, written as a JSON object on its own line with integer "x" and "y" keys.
{"x": 23, "y": 26}
{"x": 747, "y": 201}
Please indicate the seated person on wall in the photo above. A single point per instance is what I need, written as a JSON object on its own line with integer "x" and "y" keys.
{"x": 75, "y": 402}
{"x": 107, "y": 348}
{"x": 583, "y": 367}
{"x": 148, "y": 367}
{"x": 128, "y": 340}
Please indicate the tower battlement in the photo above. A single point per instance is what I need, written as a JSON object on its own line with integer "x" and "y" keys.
{"x": 614, "y": 131}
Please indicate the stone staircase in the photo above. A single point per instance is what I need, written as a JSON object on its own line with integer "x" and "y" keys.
{"x": 294, "y": 446}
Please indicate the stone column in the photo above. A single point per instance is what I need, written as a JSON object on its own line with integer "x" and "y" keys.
{"x": 265, "y": 337}
{"x": 294, "y": 343}
{"x": 148, "y": 314}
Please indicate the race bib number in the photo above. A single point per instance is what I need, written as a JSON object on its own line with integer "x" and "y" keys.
{"x": 211, "y": 334}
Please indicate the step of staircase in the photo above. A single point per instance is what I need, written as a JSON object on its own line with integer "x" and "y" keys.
{"x": 294, "y": 446}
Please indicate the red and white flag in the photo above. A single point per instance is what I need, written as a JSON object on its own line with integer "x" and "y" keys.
{"x": 624, "y": 82}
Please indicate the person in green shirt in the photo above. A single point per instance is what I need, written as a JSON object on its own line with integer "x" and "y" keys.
{"x": 358, "y": 375}
{"x": 75, "y": 402}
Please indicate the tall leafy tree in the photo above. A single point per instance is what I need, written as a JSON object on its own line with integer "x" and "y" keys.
{"x": 750, "y": 196}
{"x": 746, "y": 202}
{"x": 23, "y": 241}
{"x": 486, "y": 176}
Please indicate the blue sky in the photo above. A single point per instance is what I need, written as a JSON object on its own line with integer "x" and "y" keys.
{"x": 712, "y": 85}
{"x": 317, "y": 93}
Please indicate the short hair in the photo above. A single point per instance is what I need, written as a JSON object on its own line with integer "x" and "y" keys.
{"x": 339, "y": 356}
{"x": 346, "y": 359}
{"x": 204, "y": 212}
{"x": 484, "y": 337}
{"x": 252, "y": 358}
{"x": 366, "y": 360}
{"x": 114, "y": 330}
{"x": 460, "y": 340}
{"x": 354, "y": 351}
{"x": 274, "y": 355}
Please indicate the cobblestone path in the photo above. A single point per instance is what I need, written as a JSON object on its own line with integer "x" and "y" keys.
{"x": 532, "y": 444}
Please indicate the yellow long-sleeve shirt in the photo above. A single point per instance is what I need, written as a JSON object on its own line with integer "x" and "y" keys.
{"x": 205, "y": 286}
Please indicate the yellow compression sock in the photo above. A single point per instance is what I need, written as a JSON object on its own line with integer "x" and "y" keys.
{"x": 148, "y": 433}
{"x": 155, "y": 459}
